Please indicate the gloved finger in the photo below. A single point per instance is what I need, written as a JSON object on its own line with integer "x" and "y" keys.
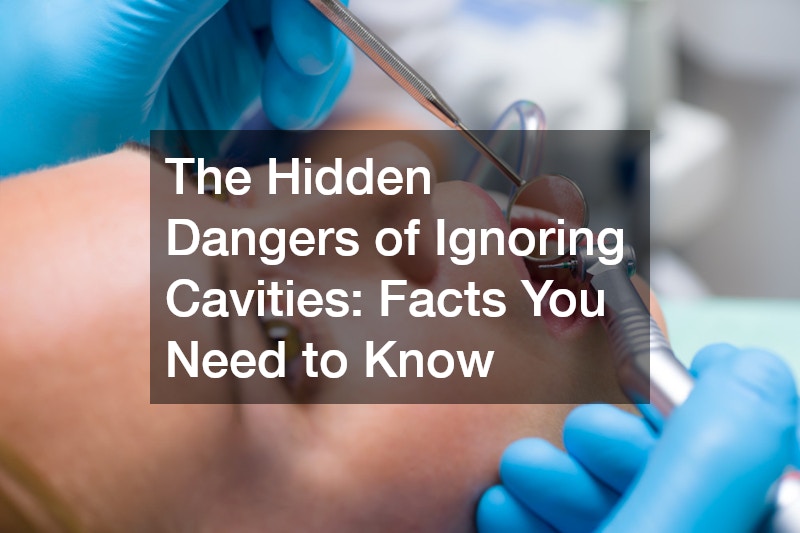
{"x": 611, "y": 444}
{"x": 337, "y": 88}
{"x": 296, "y": 101}
{"x": 711, "y": 355}
{"x": 498, "y": 512}
{"x": 309, "y": 44}
{"x": 714, "y": 354}
{"x": 155, "y": 31}
{"x": 720, "y": 452}
{"x": 554, "y": 486}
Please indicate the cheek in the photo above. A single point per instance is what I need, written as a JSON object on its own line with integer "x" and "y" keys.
{"x": 423, "y": 467}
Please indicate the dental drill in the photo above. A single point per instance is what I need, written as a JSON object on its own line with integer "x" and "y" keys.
{"x": 647, "y": 370}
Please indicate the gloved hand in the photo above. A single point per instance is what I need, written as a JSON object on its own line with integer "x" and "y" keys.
{"x": 84, "y": 76}
{"x": 709, "y": 471}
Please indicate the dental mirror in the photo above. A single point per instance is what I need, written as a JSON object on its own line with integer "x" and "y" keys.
{"x": 541, "y": 202}
{"x": 548, "y": 202}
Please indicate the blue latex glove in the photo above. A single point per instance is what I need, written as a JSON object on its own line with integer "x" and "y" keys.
{"x": 81, "y": 77}
{"x": 709, "y": 471}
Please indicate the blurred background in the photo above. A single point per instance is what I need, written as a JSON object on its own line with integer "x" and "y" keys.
{"x": 716, "y": 81}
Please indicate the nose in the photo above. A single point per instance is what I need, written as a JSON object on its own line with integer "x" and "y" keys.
{"x": 399, "y": 228}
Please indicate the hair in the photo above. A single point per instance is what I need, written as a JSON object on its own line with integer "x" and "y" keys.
{"x": 27, "y": 502}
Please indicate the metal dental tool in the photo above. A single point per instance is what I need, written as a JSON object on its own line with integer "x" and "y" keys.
{"x": 647, "y": 370}
{"x": 405, "y": 76}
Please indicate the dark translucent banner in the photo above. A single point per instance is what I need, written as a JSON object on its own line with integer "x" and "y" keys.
{"x": 379, "y": 267}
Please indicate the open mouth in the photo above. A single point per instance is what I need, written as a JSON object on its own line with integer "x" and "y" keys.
{"x": 563, "y": 290}
{"x": 562, "y": 287}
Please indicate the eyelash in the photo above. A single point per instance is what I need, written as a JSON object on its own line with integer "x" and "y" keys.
{"x": 300, "y": 386}
{"x": 208, "y": 189}
{"x": 292, "y": 336}
{"x": 304, "y": 331}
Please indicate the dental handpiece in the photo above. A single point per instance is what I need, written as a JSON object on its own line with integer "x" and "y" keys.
{"x": 647, "y": 370}
{"x": 406, "y": 77}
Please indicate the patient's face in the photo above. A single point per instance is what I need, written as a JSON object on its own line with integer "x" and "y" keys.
{"x": 78, "y": 374}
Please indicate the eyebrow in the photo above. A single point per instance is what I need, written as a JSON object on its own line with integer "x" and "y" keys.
{"x": 144, "y": 149}
{"x": 155, "y": 154}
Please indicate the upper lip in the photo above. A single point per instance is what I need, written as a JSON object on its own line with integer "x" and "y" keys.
{"x": 496, "y": 217}
{"x": 562, "y": 279}
{"x": 528, "y": 269}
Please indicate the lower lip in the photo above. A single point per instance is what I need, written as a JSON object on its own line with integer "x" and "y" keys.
{"x": 558, "y": 327}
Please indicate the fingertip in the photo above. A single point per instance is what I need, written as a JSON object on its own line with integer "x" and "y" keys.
{"x": 495, "y": 496}
{"x": 335, "y": 90}
{"x": 529, "y": 465}
{"x": 601, "y": 425}
{"x": 711, "y": 355}
{"x": 593, "y": 414}
{"x": 499, "y": 511}
{"x": 610, "y": 443}
{"x": 294, "y": 101}
{"x": 308, "y": 42}
{"x": 761, "y": 371}
{"x": 525, "y": 453}
{"x": 766, "y": 374}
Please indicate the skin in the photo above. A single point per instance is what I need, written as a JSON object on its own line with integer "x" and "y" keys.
{"x": 75, "y": 336}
